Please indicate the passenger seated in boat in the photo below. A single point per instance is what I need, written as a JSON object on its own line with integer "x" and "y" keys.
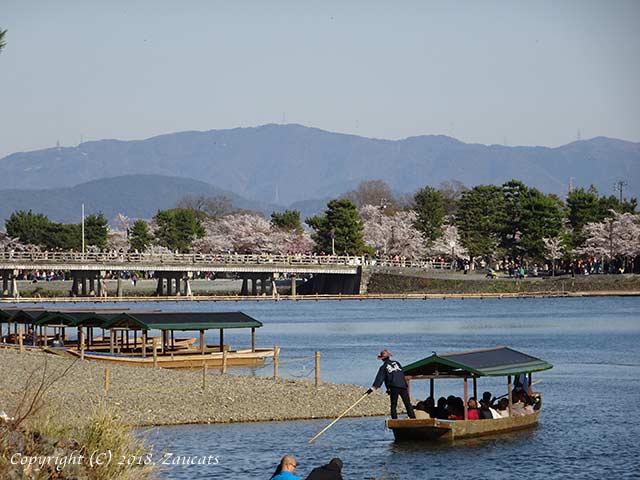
{"x": 441, "y": 410}
{"x": 522, "y": 405}
{"x": 472, "y": 409}
{"x": 455, "y": 407}
{"x": 486, "y": 411}
{"x": 430, "y": 406}
{"x": 503, "y": 407}
{"x": 420, "y": 411}
{"x": 488, "y": 399}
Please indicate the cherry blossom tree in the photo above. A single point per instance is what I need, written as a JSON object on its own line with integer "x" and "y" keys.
{"x": 617, "y": 237}
{"x": 117, "y": 240}
{"x": 8, "y": 243}
{"x": 554, "y": 248}
{"x": 250, "y": 233}
{"x": 392, "y": 234}
{"x": 449, "y": 244}
{"x": 117, "y": 237}
{"x": 121, "y": 222}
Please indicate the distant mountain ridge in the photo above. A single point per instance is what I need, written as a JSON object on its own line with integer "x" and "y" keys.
{"x": 292, "y": 163}
{"x": 136, "y": 196}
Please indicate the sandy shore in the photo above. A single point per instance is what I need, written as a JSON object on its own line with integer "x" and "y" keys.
{"x": 144, "y": 396}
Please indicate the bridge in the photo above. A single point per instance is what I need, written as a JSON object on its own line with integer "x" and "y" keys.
{"x": 173, "y": 271}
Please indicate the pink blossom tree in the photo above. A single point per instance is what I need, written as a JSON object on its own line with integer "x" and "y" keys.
{"x": 392, "y": 234}
{"x": 250, "y": 233}
{"x": 554, "y": 248}
{"x": 449, "y": 244}
{"x": 617, "y": 237}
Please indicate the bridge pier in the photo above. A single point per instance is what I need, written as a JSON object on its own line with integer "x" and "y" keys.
{"x": 261, "y": 284}
{"x": 119, "y": 286}
{"x": 10, "y": 283}
{"x": 173, "y": 284}
{"x": 84, "y": 283}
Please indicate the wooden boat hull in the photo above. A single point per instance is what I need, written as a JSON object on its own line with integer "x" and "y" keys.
{"x": 432, "y": 429}
{"x": 238, "y": 358}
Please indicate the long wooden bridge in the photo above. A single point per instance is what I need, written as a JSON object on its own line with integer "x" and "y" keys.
{"x": 340, "y": 274}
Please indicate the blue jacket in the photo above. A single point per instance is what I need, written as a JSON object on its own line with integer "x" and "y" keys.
{"x": 286, "y": 476}
{"x": 391, "y": 373}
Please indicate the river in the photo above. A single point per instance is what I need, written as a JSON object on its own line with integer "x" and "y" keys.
{"x": 589, "y": 425}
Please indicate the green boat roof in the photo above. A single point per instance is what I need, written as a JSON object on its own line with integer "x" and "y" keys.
{"x": 183, "y": 321}
{"x": 26, "y": 315}
{"x": 138, "y": 320}
{"x": 489, "y": 362}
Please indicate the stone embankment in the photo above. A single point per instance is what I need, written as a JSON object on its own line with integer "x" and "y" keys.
{"x": 446, "y": 283}
{"x": 144, "y": 396}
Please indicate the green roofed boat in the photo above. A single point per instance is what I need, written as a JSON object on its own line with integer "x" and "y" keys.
{"x": 472, "y": 364}
{"x": 136, "y": 338}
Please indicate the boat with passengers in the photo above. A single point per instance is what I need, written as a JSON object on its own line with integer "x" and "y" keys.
{"x": 472, "y": 365}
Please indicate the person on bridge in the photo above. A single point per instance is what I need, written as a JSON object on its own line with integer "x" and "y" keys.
{"x": 390, "y": 372}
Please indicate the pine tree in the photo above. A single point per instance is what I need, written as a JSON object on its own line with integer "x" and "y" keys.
{"x": 339, "y": 231}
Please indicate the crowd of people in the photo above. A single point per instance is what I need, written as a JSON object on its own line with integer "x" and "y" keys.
{"x": 489, "y": 407}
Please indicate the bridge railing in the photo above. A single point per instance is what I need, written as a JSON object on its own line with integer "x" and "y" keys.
{"x": 188, "y": 259}
{"x": 176, "y": 258}
{"x": 424, "y": 264}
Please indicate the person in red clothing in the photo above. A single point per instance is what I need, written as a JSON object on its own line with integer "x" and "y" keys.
{"x": 472, "y": 409}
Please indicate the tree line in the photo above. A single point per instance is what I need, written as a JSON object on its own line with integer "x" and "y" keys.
{"x": 511, "y": 221}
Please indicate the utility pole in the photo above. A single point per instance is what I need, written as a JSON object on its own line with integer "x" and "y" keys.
{"x": 333, "y": 242}
{"x": 83, "y": 229}
{"x": 619, "y": 185}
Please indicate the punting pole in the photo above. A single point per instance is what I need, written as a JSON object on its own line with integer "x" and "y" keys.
{"x": 341, "y": 415}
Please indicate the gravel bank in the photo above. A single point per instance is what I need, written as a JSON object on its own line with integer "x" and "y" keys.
{"x": 144, "y": 396}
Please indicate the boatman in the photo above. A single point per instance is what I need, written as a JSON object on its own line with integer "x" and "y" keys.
{"x": 393, "y": 377}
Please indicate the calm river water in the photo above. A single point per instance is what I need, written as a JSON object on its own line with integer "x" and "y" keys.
{"x": 589, "y": 428}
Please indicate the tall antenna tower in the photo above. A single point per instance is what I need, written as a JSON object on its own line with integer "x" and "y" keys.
{"x": 619, "y": 185}
{"x": 570, "y": 188}
{"x": 579, "y": 135}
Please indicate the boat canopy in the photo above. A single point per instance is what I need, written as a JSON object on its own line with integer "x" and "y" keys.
{"x": 133, "y": 320}
{"x": 489, "y": 362}
{"x": 183, "y": 321}
{"x": 27, "y": 316}
{"x": 74, "y": 319}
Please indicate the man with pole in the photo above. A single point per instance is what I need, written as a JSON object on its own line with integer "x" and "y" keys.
{"x": 391, "y": 374}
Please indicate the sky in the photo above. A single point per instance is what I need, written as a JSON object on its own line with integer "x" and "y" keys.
{"x": 515, "y": 73}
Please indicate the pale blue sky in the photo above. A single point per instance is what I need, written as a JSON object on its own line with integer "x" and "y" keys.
{"x": 530, "y": 73}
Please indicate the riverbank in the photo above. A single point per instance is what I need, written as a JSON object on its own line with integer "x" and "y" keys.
{"x": 415, "y": 282}
{"x": 145, "y": 396}
{"x": 329, "y": 297}
{"x": 405, "y": 284}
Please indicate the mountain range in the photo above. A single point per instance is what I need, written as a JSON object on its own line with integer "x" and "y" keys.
{"x": 285, "y": 164}
{"x": 136, "y": 196}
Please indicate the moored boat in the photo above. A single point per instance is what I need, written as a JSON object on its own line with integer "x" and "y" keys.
{"x": 473, "y": 364}
{"x": 137, "y": 338}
